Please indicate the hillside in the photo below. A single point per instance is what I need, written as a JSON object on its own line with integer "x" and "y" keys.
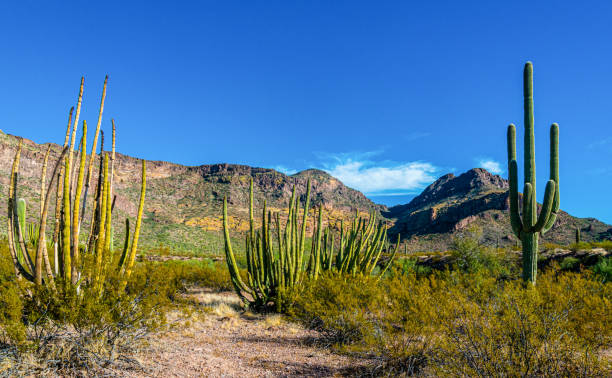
{"x": 183, "y": 204}
{"x": 183, "y": 211}
{"x": 451, "y": 203}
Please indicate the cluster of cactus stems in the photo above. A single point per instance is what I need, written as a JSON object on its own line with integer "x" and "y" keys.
{"x": 276, "y": 267}
{"x": 360, "y": 248}
{"x": 69, "y": 176}
{"x": 531, "y": 225}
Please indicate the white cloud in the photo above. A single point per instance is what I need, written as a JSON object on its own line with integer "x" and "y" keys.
{"x": 285, "y": 170}
{"x": 379, "y": 178}
{"x": 491, "y": 166}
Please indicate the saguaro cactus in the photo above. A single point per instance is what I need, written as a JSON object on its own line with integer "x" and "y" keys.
{"x": 531, "y": 225}
{"x": 578, "y": 239}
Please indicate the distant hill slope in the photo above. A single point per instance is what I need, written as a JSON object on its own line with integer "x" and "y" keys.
{"x": 451, "y": 203}
{"x": 183, "y": 204}
{"x": 183, "y": 207}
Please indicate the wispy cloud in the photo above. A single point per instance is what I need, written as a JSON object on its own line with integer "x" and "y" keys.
{"x": 285, "y": 170}
{"x": 416, "y": 135}
{"x": 357, "y": 171}
{"x": 491, "y": 166}
{"x": 600, "y": 143}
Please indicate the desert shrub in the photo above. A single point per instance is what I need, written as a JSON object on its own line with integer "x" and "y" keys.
{"x": 339, "y": 307}
{"x": 549, "y": 246}
{"x": 47, "y": 331}
{"x": 580, "y": 246}
{"x": 455, "y": 323}
{"x": 569, "y": 263}
{"x": 603, "y": 269}
{"x": 407, "y": 265}
{"x": 469, "y": 255}
{"x": 205, "y": 273}
{"x": 605, "y": 244}
{"x": 556, "y": 329}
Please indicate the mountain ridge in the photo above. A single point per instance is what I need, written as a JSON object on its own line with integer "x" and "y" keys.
{"x": 183, "y": 208}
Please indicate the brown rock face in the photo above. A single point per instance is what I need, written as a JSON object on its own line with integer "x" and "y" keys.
{"x": 183, "y": 204}
{"x": 478, "y": 197}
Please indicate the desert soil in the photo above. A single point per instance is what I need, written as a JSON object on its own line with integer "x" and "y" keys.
{"x": 219, "y": 340}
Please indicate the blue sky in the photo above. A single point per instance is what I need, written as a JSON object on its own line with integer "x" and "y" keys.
{"x": 386, "y": 95}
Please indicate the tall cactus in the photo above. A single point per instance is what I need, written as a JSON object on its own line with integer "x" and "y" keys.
{"x": 359, "y": 250}
{"x": 531, "y": 225}
{"x": 69, "y": 267}
{"x": 21, "y": 224}
{"x": 275, "y": 268}
{"x": 578, "y": 238}
{"x": 271, "y": 275}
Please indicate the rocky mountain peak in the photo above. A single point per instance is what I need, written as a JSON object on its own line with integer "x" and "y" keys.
{"x": 475, "y": 180}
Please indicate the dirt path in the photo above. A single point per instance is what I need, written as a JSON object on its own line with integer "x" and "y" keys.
{"x": 217, "y": 340}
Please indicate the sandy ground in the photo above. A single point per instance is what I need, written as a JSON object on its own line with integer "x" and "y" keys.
{"x": 218, "y": 340}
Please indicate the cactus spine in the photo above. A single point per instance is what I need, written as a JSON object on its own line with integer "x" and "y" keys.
{"x": 531, "y": 224}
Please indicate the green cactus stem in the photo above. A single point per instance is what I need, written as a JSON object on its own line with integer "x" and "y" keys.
{"x": 531, "y": 225}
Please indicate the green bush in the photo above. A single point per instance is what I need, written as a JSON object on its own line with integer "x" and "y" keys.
{"x": 569, "y": 263}
{"x": 205, "y": 273}
{"x": 603, "y": 269}
{"x": 469, "y": 255}
{"x": 47, "y": 330}
{"x": 455, "y": 323}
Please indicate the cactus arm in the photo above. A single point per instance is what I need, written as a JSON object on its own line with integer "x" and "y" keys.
{"x": 388, "y": 264}
{"x": 20, "y": 226}
{"x": 112, "y": 158}
{"x": 515, "y": 218}
{"x": 67, "y": 266}
{"x": 554, "y": 175}
{"x": 304, "y": 220}
{"x": 527, "y": 207}
{"x": 547, "y": 206}
{"x": 20, "y": 270}
{"x": 237, "y": 282}
{"x": 93, "y": 148}
{"x": 76, "y": 204}
{"x": 126, "y": 244}
{"x": 317, "y": 254}
{"x": 101, "y": 222}
{"x": 143, "y": 190}
{"x": 58, "y": 201}
{"x": 41, "y": 252}
{"x": 108, "y": 231}
{"x": 43, "y": 179}
{"x": 75, "y": 125}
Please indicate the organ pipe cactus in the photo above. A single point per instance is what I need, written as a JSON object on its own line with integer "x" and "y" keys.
{"x": 21, "y": 224}
{"x": 272, "y": 274}
{"x": 359, "y": 251}
{"x": 68, "y": 266}
{"x": 275, "y": 268}
{"x": 531, "y": 224}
